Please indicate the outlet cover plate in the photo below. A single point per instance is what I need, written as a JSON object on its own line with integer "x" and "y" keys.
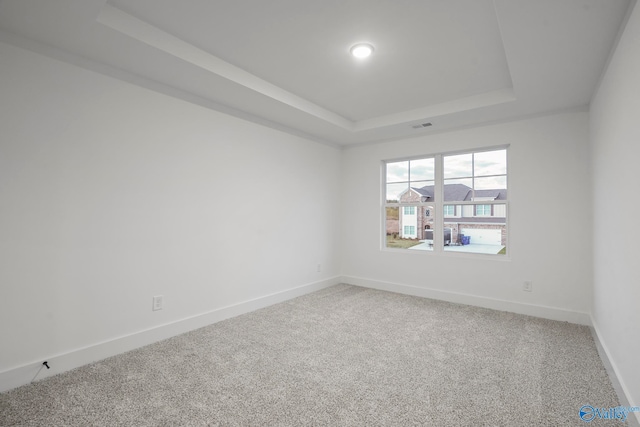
{"x": 157, "y": 303}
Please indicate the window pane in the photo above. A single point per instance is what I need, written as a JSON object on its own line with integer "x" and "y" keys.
{"x": 394, "y": 191}
{"x": 459, "y": 166}
{"x": 457, "y": 190}
{"x": 402, "y": 227}
{"x": 422, "y": 170}
{"x": 492, "y": 183}
{"x": 424, "y": 190}
{"x": 485, "y": 235}
{"x": 398, "y": 172}
{"x": 490, "y": 163}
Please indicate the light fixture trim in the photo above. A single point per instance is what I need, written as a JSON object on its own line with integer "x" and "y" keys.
{"x": 361, "y": 50}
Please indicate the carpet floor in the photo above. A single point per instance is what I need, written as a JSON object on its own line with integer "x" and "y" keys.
{"x": 343, "y": 356}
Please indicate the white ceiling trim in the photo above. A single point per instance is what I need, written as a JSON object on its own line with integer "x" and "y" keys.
{"x": 488, "y": 99}
{"x": 133, "y": 27}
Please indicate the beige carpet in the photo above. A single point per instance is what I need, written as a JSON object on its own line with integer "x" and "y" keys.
{"x": 345, "y": 356}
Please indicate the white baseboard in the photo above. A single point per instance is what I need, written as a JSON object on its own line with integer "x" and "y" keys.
{"x": 612, "y": 369}
{"x": 552, "y": 313}
{"x": 59, "y": 363}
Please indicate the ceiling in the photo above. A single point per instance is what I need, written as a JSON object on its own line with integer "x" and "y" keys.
{"x": 286, "y": 63}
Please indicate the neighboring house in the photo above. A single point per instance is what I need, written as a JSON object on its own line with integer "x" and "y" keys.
{"x": 485, "y": 224}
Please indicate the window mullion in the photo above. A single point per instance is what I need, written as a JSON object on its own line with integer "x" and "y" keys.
{"x": 438, "y": 244}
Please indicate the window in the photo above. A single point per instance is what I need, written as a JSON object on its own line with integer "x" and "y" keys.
{"x": 402, "y": 177}
{"x": 474, "y": 187}
{"x": 409, "y": 184}
{"x": 483, "y": 210}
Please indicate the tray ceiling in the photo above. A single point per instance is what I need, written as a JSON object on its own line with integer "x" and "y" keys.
{"x": 286, "y": 63}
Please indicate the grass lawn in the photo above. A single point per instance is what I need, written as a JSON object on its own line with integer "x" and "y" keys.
{"x": 503, "y": 251}
{"x": 401, "y": 243}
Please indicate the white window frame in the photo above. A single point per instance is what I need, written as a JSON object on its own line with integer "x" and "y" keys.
{"x": 438, "y": 203}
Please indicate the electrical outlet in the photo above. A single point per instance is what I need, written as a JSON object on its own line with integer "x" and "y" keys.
{"x": 319, "y": 268}
{"x": 157, "y": 302}
{"x": 527, "y": 286}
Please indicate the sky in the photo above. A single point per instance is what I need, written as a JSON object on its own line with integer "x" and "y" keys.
{"x": 489, "y": 169}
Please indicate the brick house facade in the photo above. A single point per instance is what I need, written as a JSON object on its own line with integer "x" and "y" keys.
{"x": 486, "y": 223}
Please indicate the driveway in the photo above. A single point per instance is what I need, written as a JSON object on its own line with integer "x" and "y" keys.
{"x": 471, "y": 248}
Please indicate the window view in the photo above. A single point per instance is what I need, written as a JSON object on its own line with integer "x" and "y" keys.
{"x": 409, "y": 203}
{"x": 473, "y": 203}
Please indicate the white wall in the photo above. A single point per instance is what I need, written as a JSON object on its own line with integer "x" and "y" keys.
{"x": 615, "y": 139}
{"x": 549, "y": 222}
{"x": 111, "y": 194}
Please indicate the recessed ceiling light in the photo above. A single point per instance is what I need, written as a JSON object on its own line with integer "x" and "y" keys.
{"x": 361, "y": 50}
